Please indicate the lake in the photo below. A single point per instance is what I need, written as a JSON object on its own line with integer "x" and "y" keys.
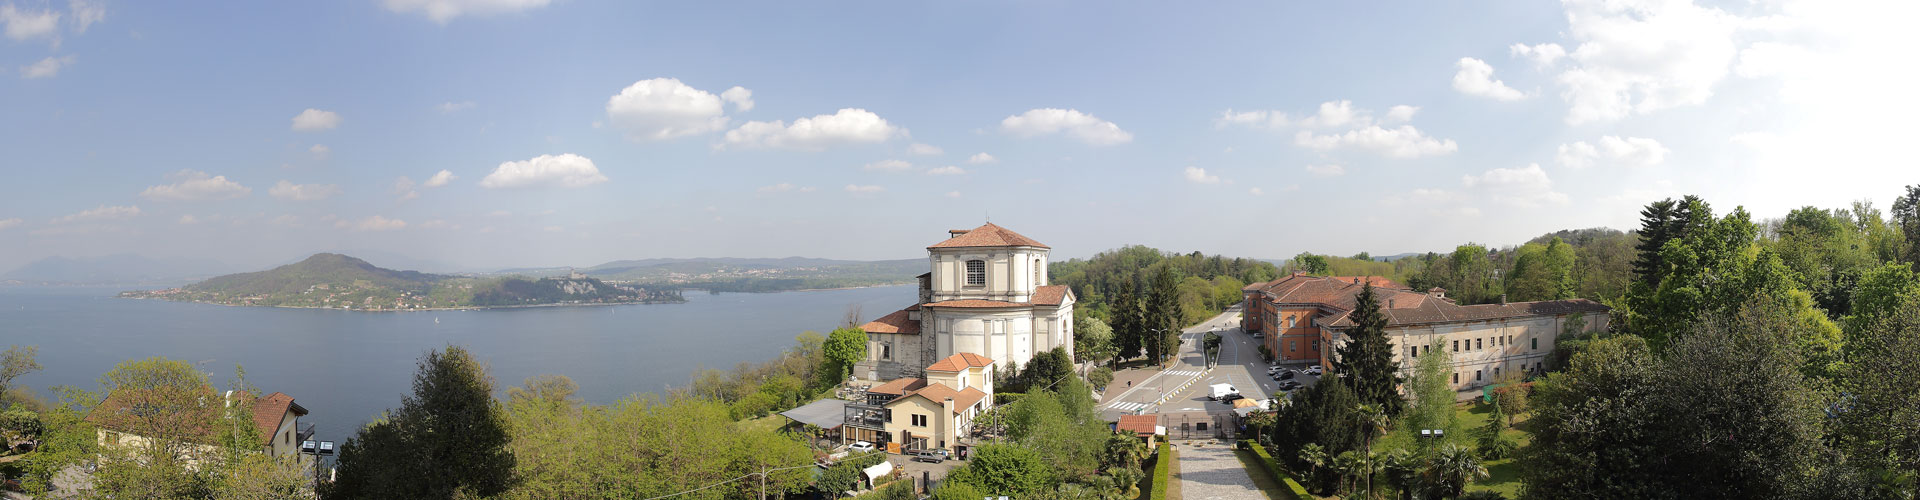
{"x": 346, "y": 367}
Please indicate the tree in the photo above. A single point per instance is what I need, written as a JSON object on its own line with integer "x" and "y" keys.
{"x": 1880, "y": 425}
{"x": 1310, "y": 264}
{"x": 1002, "y": 469}
{"x": 1511, "y": 399}
{"x": 260, "y": 476}
{"x": 955, "y": 490}
{"x": 1376, "y": 420}
{"x": 1656, "y": 228}
{"x": 1100, "y": 377}
{"x": 1322, "y": 414}
{"x": 1315, "y": 456}
{"x": 1048, "y": 368}
{"x": 1432, "y": 391}
{"x": 1093, "y": 340}
{"x": 1450, "y": 469}
{"x": 179, "y": 415}
{"x": 1365, "y": 363}
{"x": 67, "y": 440}
{"x": 16, "y": 361}
{"x": 448, "y": 438}
{"x": 844, "y": 348}
{"x": 1128, "y": 325}
{"x": 1906, "y": 214}
{"x": 1162, "y": 315}
{"x": 1493, "y": 446}
{"x": 1543, "y": 272}
{"x": 1211, "y": 346}
{"x": 1594, "y": 426}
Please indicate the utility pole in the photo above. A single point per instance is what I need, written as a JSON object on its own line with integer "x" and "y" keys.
{"x": 763, "y": 482}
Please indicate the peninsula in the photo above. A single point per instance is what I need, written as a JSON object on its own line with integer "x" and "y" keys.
{"x": 334, "y": 281}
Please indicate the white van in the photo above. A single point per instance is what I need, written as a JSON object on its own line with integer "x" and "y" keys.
{"x": 1221, "y": 392}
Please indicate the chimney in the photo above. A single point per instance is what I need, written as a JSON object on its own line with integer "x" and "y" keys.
{"x": 948, "y": 406}
{"x": 1503, "y": 299}
{"x": 1390, "y": 303}
{"x": 955, "y": 233}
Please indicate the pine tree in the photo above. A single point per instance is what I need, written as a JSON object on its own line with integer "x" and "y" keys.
{"x": 1365, "y": 362}
{"x": 1163, "y": 313}
{"x": 1655, "y": 223}
{"x": 1126, "y": 324}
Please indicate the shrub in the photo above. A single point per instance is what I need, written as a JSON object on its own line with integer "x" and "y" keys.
{"x": 1161, "y": 462}
{"x": 1294, "y": 490}
{"x": 1498, "y": 448}
{"x": 1100, "y": 377}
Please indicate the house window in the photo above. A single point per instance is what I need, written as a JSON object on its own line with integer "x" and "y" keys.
{"x": 1413, "y": 351}
{"x": 1477, "y": 344}
{"x": 1036, "y": 272}
{"x": 1426, "y": 348}
{"x": 1456, "y": 377}
{"x": 1456, "y": 346}
{"x": 1200, "y": 426}
{"x": 976, "y": 273}
{"x": 1290, "y": 321}
{"x": 1316, "y": 345}
{"x": 1290, "y": 346}
{"x": 1476, "y": 375}
{"x": 1496, "y": 372}
{"x": 920, "y": 420}
{"x": 1536, "y": 343}
{"x": 886, "y": 351}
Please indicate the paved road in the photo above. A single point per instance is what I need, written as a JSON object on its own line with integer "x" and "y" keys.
{"x": 1142, "y": 396}
{"x": 1210, "y": 471}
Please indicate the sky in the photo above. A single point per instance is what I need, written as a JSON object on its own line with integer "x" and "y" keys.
{"x": 509, "y": 133}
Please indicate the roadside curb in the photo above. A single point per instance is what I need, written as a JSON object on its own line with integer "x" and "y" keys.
{"x": 1183, "y": 386}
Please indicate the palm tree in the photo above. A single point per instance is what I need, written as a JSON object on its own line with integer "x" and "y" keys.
{"x": 1350, "y": 464}
{"x": 1376, "y": 419}
{"x": 1403, "y": 469}
{"x": 1451, "y": 468}
{"x": 1315, "y": 456}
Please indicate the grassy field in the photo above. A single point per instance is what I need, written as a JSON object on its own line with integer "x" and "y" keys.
{"x": 1470, "y": 417}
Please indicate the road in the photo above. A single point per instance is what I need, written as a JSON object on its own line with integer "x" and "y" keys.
{"x": 1239, "y": 365}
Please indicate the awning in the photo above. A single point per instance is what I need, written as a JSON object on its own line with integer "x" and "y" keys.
{"x": 878, "y": 471}
{"x": 825, "y": 413}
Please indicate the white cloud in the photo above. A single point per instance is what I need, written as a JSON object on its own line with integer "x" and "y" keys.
{"x": 1542, "y": 55}
{"x": 403, "y": 187}
{"x": 981, "y": 158}
{"x": 1401, "y": 142}
{"x": 439, "y": 179}
{"x": 566, "y": 170}
{"x": 286, "y": 190}
{"x": 924, "y": 149}
{"x": 450, "y": 106}
{"x": 374, "y": 223}
{"x": 947, "y": 170}
{"x": 1763, "y": 59}
{"x": 188, "y": 219}
{"x": 1256, "y": 192}
{"x": 1199, "y": 175}
{"x": 888, "y": 166}
{"x": 1625, "y": 151}
{"x": 1335, "y": 114}
{"x": 194, "y": 185}
{"x": 953, "y": 194}
{"x": 862, "y": 189}
{"x": 85, "y": 14}
{"x": 25, "y": 25}
{"x": 1255, "y": 118}
{"x": 10, "y": 222}
{"x": 319, "y": 150}
{"x": 664, "y": 108}
{"x": 1081, "y": 126}
{"x": 1524, "y": 187}
{"x": 1641, "y": 56}
{"x": 442, "y": 11}
{"x": 784, "y": 187}
{"x": 314, "y": 120}
{"x": 103, "y": 212}
{"x": 847, "y": 126}
{"x": 1475, "y": 78}
{"x": 741, "y": 98}
{"x": 1326, "y": 170}
{"x": 46, "y": 68}
{"x": 1401, "y": 113}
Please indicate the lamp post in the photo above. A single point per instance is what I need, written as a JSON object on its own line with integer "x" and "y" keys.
{"x": 316, "y": 449}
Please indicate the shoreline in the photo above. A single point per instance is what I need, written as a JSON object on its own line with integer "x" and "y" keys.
{"x": 482, "y": 308}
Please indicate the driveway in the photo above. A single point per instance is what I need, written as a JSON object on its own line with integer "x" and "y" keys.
{"x": 1209, "y": 470}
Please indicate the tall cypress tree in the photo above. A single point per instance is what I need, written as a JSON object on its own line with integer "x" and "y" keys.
{"x": 1365, "y": 362}
{"x": 1126, "y": 323}
{"x": 1163, "y": 314}
{"x": 1656, "y": 222}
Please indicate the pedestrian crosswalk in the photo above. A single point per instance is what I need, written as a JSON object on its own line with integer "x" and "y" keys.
{"x": 1183, "y": 373}
{"x": 1127, "y": 406}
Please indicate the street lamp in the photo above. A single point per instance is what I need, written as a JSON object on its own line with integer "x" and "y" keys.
{"x": 316, "y": 449}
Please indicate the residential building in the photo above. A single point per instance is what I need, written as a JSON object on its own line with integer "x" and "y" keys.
{"x": 987, "y": 294}
{"x": 120, "y": 418}
{"x": 1306, "y": 319}
{"x": 931, "y": 413}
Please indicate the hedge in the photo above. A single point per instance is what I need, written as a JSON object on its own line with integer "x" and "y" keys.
{"x": 1160, "y": 466}
{"x": 1294, "y": 490}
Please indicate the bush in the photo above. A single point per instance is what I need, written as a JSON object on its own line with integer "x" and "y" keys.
{"x": 1006, "y": 398}
{"x": 1161, "y": 465}
{"x": 1499, "y": 448}
{"x": 1100, "y": 377}
{"x": 1294, "y": 490}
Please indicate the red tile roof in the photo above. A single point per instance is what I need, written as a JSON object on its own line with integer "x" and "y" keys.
{"x": 895, "y": 322}
{"x": 988, "y": 235}
{"x": 1378, "y": 281}
{"x": 1444, "y": 311}
{"x": 900, "y": 386}
{"x": 939, "y": 393}
{"x": 116, "y": 412}
{"x": 1140, "y": 425}
{"x": 270, "y": 410}
{"x": 1051, "y": 295}
{"x": 959, "y": 362}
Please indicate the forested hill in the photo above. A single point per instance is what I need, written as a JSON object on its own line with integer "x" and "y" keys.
{"x": 731, "y": 274}
{"x": 333, "y": 281}
{"x": 1205, "y": 283}
{"x": 320, "y": 269}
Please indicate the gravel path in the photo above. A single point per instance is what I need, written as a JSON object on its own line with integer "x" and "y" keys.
{"x": 1209, "y": 471}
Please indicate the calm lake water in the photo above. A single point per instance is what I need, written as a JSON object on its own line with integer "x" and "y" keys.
{"x": 345, "y": 367}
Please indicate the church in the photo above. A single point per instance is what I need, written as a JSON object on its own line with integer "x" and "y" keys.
{"x": 986, "y": 294}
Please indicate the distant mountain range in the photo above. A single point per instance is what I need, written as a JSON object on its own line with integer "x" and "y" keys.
{"x": 125, "y": 269}
{"x": 329, "y": 280}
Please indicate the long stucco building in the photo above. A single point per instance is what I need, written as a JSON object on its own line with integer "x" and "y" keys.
{"x": 986, "y": 293}
{"x": 1305, "y": 319}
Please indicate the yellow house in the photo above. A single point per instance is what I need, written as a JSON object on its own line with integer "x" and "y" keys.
{"x": 933, "y": 413}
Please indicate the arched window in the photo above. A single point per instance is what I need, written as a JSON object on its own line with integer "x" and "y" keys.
{"x": 976, "y": 273}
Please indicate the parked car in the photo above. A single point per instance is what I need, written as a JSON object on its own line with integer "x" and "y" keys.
{"x": 928, "y": 456}
{"x": 1315, "y": 370}
{"x": 1286, "y": 374}
{"x": 861, "y": 447}
{"x": 1290, "y": 385}
{"x": 1231, "y": 397}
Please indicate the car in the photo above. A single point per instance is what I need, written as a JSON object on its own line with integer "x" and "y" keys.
{"x": 1276, "y": 376}
{"x": 1231, "y": 397}
{"x": 1271, "y": 369}
{"x": 1259, "y": 335}
{"x": 1286, "y": 374}
{"x": 860, "y": 447}
{"x": 928, "y": 457}
{"x": 1290, "y": 385}
{"x": 1316, "y": 370}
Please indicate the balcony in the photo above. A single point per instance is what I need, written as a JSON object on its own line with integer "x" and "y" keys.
{"x": 868, "y": 416}
{"x": 304, "y": 433}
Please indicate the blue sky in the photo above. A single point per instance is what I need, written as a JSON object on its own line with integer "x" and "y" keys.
{"x": 576, "y": 132}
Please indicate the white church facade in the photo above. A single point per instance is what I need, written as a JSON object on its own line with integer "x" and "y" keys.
{"x": 986, "y": 294}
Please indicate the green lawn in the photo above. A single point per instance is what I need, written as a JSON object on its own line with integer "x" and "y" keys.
{"x": 1504, "y": 474}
